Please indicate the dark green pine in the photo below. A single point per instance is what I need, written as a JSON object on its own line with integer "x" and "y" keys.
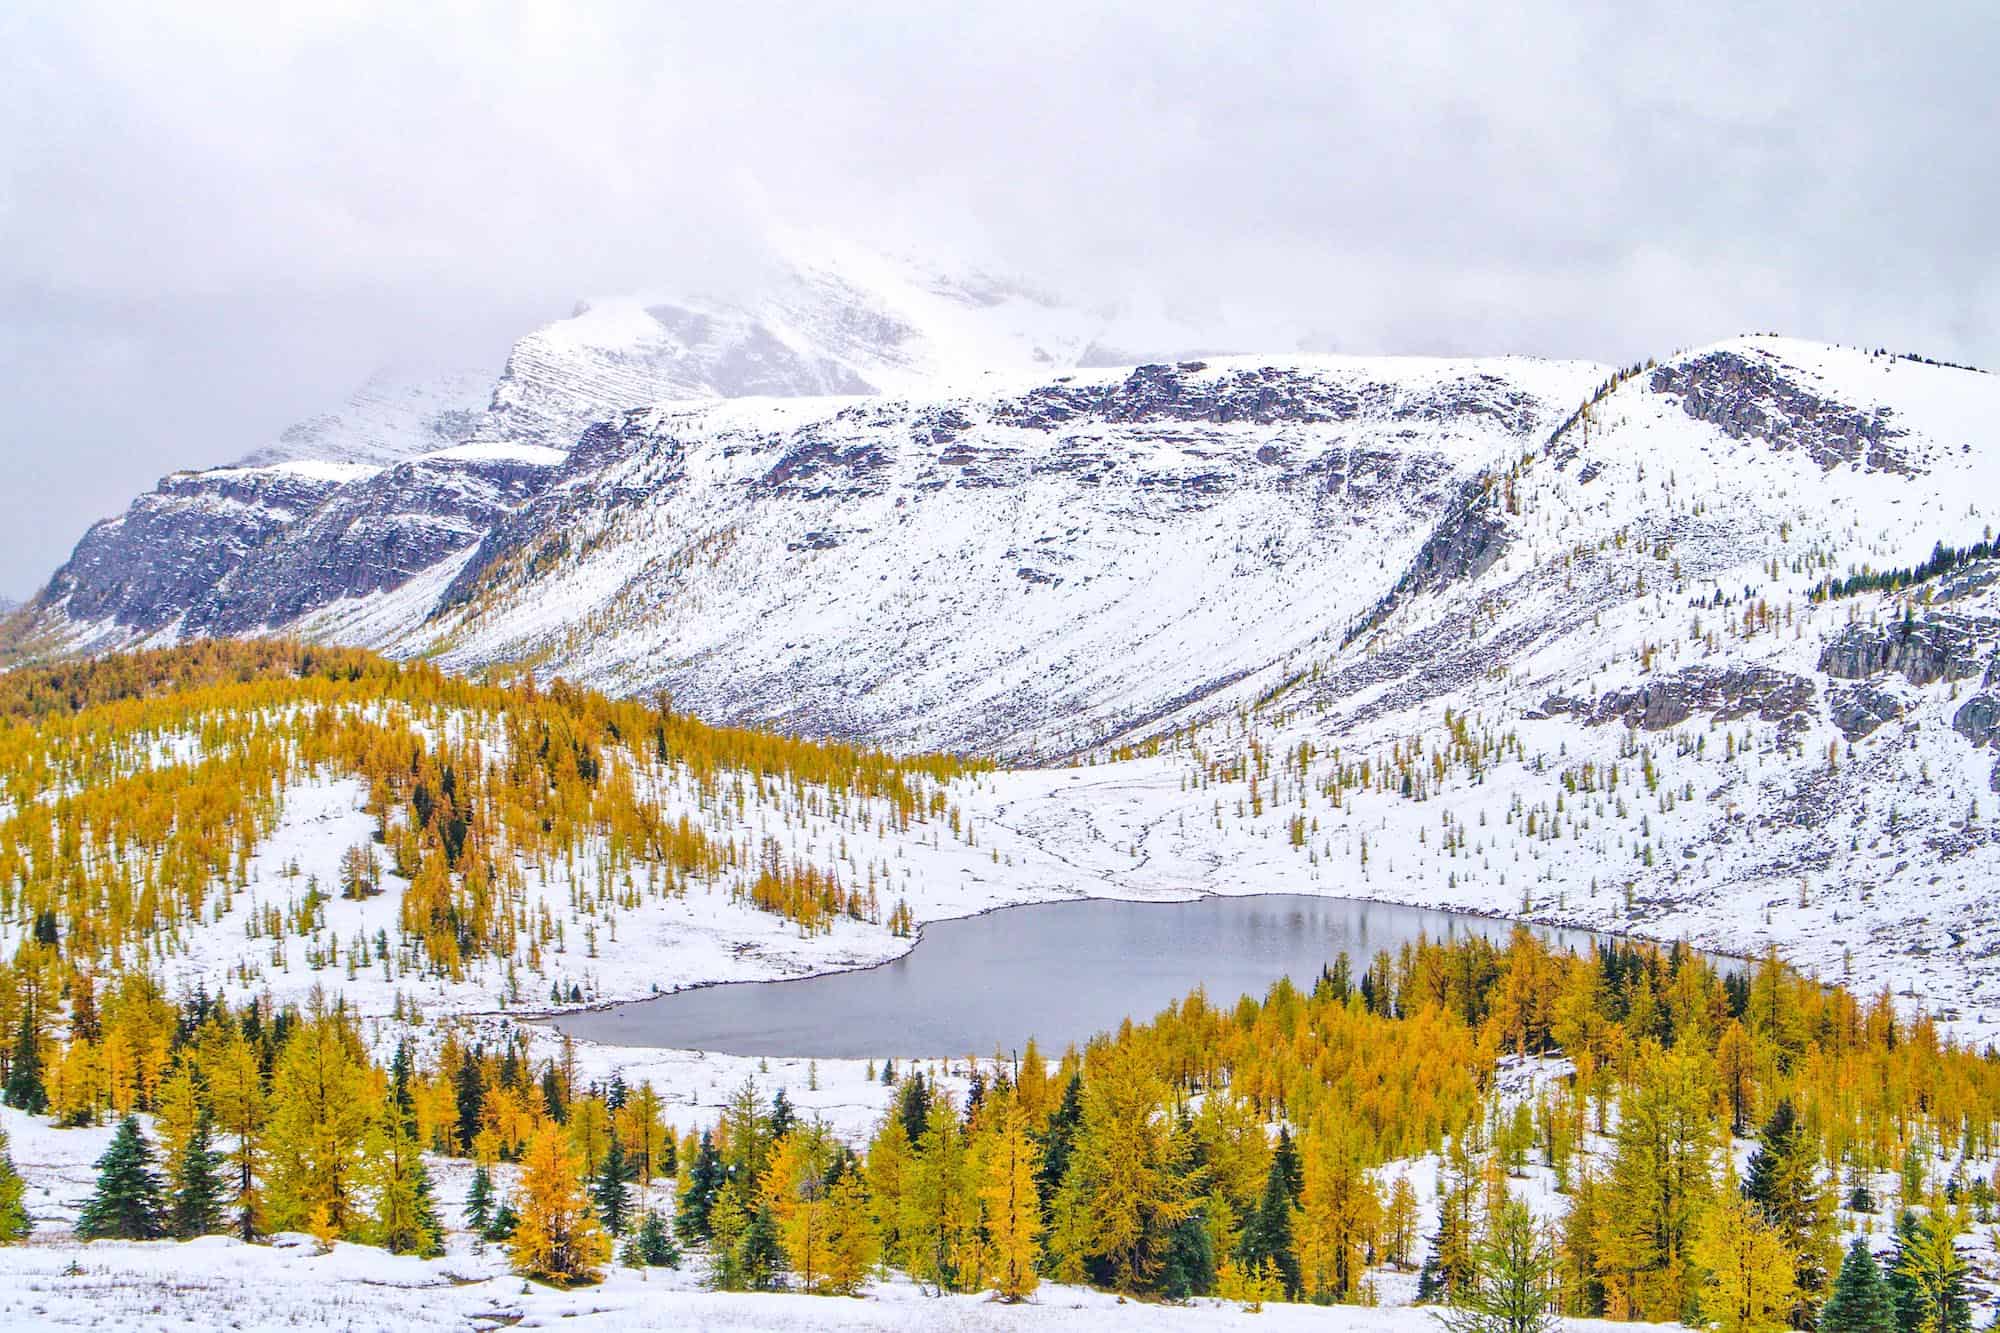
{"x": 479, "y": 1202}
{"x": 613, "y": 1199}
{"x": 198, "y": 1185}
{"x": 126, "y": 1203}
{"x": 1268, "y": 1237}
{"x": 1861, "y": 1301}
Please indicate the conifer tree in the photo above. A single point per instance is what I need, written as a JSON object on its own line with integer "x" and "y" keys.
{"x": 1340, "y": 1217}
{"x": 1927, "y": 1258}
{"x": 1187, "y": 1267}
{"x": 126, "y": 1202}
{"x": 888, "y": 1168}
{"x": 1058, "y": 1141}
{"x": 321, "y": 1111}
{"x": 1286, "y": 1157}
{"x": 1012, "y": 1210}
{"x": 761, "y": 1256}
{"x": 1399, "y": 1223}
{"x": 241, "y": 1110}
{"x": 706, "y": 1176}
{"x": 1748, "y": 1282}
{"x": 1267, "y": 1238}
{"x": 479, "y": 1201}
{"x": 852, "y": 1247}
{"x": 1448, "y": 1267}
{"x": 1661, "y": 1179}
{"x": 1783, "y": 1181}
{"x": 15, "y": 1224}
{"x": 610, "y": 1192}
{"x": 940, "y": 1216}
{"x": 196, "y": 1177}
{"x": 1861, "y": 1301}
{"x": 559, "y": 1240}
{"x": 23, "y": 1090}
{"x": 405, "y": 1219}
{"x": 655, "y": 1243}
{"x": 1512, "y": 1288}
{"x": 469, "y": 1089}
{"x": 913, "y": 1104}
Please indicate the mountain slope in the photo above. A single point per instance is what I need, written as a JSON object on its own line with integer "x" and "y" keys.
{"x": 830, "y": 319}
{"x": 1019, "y": 571}
{"x": 1645, "y": 706}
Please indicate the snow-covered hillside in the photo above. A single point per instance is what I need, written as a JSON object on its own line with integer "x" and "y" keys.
{"x": 1587, "y": 655}
{"x": 830, "y": 318}
{"x": 1020, "y": 571}
{"x": 399, "y": 413}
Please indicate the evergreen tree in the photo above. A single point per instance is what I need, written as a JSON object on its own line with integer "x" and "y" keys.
{"x": 1286, "y": 1158}
{"x": 913, "y": 1104}
{"x": 1267, "y": 1239}
{"x": 469, "y": 1094}
{"x": 610, "y": 1192}
{"x": 23, "y": 1089}
{"x": 782, "y": 1115}
{"x": 15, "y": 1224}
{"x": 692, "y": 1219}
{"x": 1783, "y": 1182}
{"x": 1927, "y": 1256}
{"x": 1187, "y": 1267}
{"x": 1448, "y": 1266}
{"x": 126, "y": 1203}
{"x": 1059, "y": 1141}
{"x": 1902, "y": 1286}
{"x": 655, "y": 1243}
{"x": 761, "y": 1256}
{"x": 479, "y": 1202}
{"x": 196, "y": 1174}
{"x": 505, "y": 1222}
{"x": 1861, "y": 1301}
{"x": 1513, "y": 1283}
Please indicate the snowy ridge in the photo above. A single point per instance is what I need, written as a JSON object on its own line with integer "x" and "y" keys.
{"x": 396, "y": 414}
{"x": 1020, "y": 571}
{"x": 831, "y": 319}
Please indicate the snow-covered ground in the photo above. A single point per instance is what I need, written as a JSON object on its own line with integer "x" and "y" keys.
{"x": 53, "y": 1282}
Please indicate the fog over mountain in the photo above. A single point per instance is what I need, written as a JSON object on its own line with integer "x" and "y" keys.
{"x": 219, "y": 223}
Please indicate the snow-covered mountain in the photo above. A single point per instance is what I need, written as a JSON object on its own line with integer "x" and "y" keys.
{"x": 229, "y": 549}
{"x": 1024, "y": 569}
{"x": 1608, "y": 648}
{"x": 398, "y": 414}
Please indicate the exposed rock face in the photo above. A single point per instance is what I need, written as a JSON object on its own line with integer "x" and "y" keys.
{"x": 1859, "y": 709}
{"x": 1978, "y": 720}
{"x": 1772, "y": 696}
{"x": 1748, "y": 399}
{"x": 1262, "y": 396}
{"x": 157, "y": 561}
{"x": 1935, "y": 647}
{"x": 1463, "y": 545}
{"x": 373, "y": 536}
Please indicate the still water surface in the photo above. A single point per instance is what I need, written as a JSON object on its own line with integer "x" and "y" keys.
{"x": 1058, "y": 972}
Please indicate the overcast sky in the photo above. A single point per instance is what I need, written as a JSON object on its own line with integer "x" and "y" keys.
{"x": 214, "y": 223}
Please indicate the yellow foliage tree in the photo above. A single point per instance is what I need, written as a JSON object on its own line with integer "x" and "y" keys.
{"x": 1011, "y": 1208}
{"x": 559, "y": 1240}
